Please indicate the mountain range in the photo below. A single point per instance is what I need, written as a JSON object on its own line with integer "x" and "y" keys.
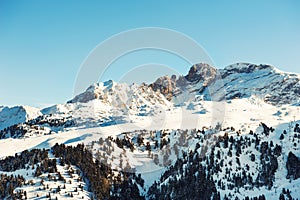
{"x": 229, "y": 133}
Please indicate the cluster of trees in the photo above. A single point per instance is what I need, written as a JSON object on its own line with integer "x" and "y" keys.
{"x": 125, "y": 186}
{"x": 199, "y": 166}
{"x": 35, "y": 158}
{"x": 213, "y": 163}
{"x": 124, "y": 142}
{"x": 95, "y": 172}
{"x": 194, "y": 175}
{"x": 295, "y": 138}
{"x": 285, "y": 194}
{"x": 102, "y": 181}
{"x": 52, "y": 121}
{"x": 267, "y": 129}
{"x": 297, "y": 128}
{"x": 35, "y": 125}
{"x": 186, "y": 179}
{"x": 46, "y": 166}
{"x": 293, "y": 166}
{"x": 8, "y": 184}
{"x": 269, "y": 164}
{"x": 13, "y": 131}
{"x": 155, "y": 139}
{"x": 19, "y": 161}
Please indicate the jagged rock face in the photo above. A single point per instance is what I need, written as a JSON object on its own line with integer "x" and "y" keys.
{"x": 201, "y": 72}
{"x": 165, "y": 85}
{"x": 240, "y": 80}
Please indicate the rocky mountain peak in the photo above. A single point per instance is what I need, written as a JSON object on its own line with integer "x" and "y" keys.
{"x": 201, "y": 72}
{"x": 165, "y": 85}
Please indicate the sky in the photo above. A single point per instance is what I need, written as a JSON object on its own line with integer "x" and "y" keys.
{"x": 44, "y": 43}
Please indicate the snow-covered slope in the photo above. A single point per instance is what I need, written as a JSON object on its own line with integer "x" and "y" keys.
{"x": 272, "y": 85}
{"x": 166, "y": 131}
{"x": 182, "y": 133}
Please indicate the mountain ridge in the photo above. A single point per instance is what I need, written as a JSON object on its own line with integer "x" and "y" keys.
{"x": 211, "y": 134}
{"x": 202, "y": 82}
{"x": 201, "y": 77}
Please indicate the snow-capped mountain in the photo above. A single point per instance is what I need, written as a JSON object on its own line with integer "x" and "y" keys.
{"x": 240, "y": 80}
{"x": 110, "y": 102}
{"x": 123, "y": 97}
{"x": 229, "y": 133}
{"x": 16, "y": 115}
{"x": 265, "y": 81}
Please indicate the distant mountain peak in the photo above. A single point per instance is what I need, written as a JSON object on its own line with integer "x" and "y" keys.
{"x": 18, "y": 114}
{"x": 201, "y": 71}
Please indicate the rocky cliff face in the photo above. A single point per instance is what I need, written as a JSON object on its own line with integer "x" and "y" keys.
{"x": 199, "y": 74}
{"x": 240, "y": 80}
{"x": 165, "y": 85}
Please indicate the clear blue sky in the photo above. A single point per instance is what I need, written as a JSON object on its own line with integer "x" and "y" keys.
{"x": 43, "y": 43}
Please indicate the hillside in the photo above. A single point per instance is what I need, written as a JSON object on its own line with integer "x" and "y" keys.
{"x": 229, "y": 133}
